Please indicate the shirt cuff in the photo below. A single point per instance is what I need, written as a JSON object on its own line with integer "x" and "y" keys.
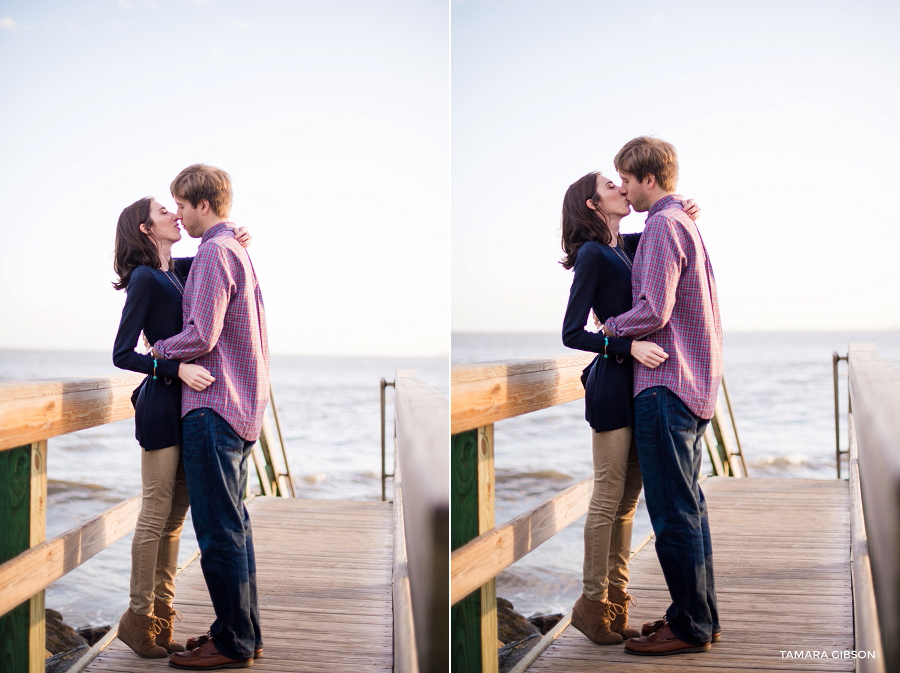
{"x": 158, "y": 346}
{"x": 611, "y": 327}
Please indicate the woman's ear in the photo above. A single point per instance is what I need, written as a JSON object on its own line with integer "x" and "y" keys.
{"x": 144, "y": 229}
{"x": 590, "y": 204}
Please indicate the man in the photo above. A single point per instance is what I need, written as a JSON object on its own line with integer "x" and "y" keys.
{"x": 675, "y": 300}
{"x": 224, "y": 331}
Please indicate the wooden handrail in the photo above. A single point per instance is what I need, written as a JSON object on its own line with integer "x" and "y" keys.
{"x": 482, "y": 559}
{"x": 865, "y": 610}
{"x": 36, "y": 569}
{"x": 874, "y": 399}
{"x": 37, "y": 410}
{"x": 421, "y": 422}
{"x": 488, "y": 392}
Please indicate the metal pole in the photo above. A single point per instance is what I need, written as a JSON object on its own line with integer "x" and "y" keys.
{"x": 384, "y": 474}
{"x": 835, "y": 358}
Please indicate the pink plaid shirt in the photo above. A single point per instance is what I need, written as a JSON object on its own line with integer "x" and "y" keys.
{"x": 224, "y": 331}
{"x": 675, "y": 301}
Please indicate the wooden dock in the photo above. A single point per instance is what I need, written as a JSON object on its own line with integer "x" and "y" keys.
{"x": 781, "y": 549}
{"x": 324, "y": 570}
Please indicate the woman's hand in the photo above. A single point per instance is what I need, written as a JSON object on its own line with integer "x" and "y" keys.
{"x": 648, "y": 353}
{"x": 243, "y": 236}
{"x": 195, "y": 376}
{"x": 691, "y": 208}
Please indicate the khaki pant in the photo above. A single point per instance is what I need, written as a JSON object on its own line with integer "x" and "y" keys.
{"x": 154, "y": 548}
{"x": 607, "y": 531}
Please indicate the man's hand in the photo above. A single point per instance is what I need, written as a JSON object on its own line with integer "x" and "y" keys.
{"x": 156, "y": 354}
{"x": 243, "y": 236}
{"x": 606, "y": 331}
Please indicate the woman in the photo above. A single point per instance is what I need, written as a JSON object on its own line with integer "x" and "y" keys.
{"x": 154, "y": 285}
{"x": 602, "y": 260}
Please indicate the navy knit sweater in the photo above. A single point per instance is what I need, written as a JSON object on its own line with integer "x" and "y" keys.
{"x": 153, "y": 305}
{"x": 602, "y": 281}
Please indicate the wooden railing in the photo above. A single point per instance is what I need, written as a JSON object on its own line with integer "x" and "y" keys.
{"x": 421, "y": 521}
{"x": 30, "y": 414}
{"x": 874, "y": 466}
{"x": 482, "y": 394}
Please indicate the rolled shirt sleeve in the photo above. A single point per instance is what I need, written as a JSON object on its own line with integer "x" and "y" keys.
{"x": 664, "y": 260}
{"x": 208, "y": 300}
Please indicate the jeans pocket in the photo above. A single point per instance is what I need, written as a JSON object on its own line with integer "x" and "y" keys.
{"x": 680, "y": 418}
{"x": 226, "y": 439}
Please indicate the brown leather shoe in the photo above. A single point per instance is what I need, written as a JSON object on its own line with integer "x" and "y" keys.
{"x": 650, "y": 627}
{"x": 619, "y": 624}
{"x": 139, "y": 633}
{"x": 662, "y": 642}
{"x": 166, "y": 616}
{"x": 592, "y": 618}
{"x": 206, "y": 658}
{"x": 196, "y": 641}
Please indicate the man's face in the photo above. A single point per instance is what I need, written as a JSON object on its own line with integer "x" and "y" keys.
{"x": 189, "y": 216}
{"x": 635, "y": 191}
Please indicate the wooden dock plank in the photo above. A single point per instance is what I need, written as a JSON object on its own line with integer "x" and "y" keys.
{"x": 324, "y": 571}
{"x": 782, "y": 559}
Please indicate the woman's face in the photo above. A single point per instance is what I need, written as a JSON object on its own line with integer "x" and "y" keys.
{"x": 611, "y": 199}
{"x": 165, "y": 225}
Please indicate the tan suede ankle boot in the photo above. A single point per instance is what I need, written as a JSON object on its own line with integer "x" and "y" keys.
{"x": 619, "y": 622}
{"x": 139, "y": 633}
{"x": 592, "y": 618}
{"x": 166, "y": 617}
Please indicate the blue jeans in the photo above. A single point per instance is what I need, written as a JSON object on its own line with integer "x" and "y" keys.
{"x": 668, "y": 436}
{"x": 215, "y": 463}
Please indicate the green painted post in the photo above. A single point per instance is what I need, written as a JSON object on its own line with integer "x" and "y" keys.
{"x": 15, "y": 536}
{"x": 465, "y": 616}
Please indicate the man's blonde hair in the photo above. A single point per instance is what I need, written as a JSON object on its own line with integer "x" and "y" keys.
{"x": 199, "y": 181}
{"x": 644, "y": 156}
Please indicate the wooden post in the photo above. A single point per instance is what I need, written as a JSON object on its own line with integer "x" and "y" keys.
{"x": 465, "y": 616}
{"x": 23, "y": 502}
{"x": 489, "y": 662}
{"x": 474, "y": 618}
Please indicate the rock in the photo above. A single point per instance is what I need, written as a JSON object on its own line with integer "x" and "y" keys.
{"x": 93, "y": 634}
{"x": 60, "y": 636}
{"x": 511, "y": 626}
{"x": 510, "y": 655}
{"x": 545, "y": 623}
{"x": 60, "y": 663}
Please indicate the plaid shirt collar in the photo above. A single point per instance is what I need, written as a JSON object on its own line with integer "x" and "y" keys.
{"x": 664, "y": 202}
{"x": 214, "y": 231}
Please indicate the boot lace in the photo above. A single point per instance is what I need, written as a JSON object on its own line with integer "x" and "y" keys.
{"x": 613, "y": 610}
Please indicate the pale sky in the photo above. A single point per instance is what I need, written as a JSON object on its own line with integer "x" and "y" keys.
{"x": 784, "y": 115}
{"x": 331, "y": 117}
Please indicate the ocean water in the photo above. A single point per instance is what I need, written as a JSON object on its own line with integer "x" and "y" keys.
{"x": 782, "y": 392}
{"x": 330, "y": 416}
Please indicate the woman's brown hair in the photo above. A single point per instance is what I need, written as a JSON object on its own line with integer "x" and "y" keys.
{"x": 581, "y": 224}
{"x": 133, "y": 247}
